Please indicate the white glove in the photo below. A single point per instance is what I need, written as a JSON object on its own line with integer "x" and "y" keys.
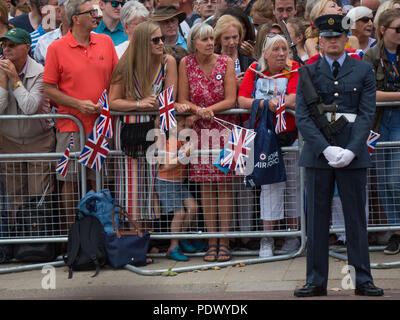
{"x": 331, "y": 153}
{"x": 343, "y": 159}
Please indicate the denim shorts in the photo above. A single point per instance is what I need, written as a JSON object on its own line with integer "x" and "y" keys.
{"x": 172, "y": 194}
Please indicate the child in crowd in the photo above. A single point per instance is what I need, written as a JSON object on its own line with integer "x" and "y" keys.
{"x": 297, "y": 28}
{"x": 172, "y": 190}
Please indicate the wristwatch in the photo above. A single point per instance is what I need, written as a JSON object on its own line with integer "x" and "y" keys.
{"x": 18, "y": 84}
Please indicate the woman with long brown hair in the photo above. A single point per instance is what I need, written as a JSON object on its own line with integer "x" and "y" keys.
{"x": 141, "y": 74}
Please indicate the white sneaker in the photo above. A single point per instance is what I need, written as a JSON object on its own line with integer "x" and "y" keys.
{"x": 291, "y": 244}
{"x": 266, "y": 247}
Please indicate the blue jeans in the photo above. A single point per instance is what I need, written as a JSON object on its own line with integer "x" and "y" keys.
{"x": 388, "y": 165}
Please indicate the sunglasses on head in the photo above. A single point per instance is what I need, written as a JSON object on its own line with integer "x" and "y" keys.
{"x": 395, "y": 28}
{"x": 157, "y": 40}
{"x": 366, "y": 19}
{"x": 115, "y": 3}
{"x": 272, "y": 34}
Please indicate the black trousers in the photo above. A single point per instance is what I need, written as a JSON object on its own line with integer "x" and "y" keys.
{"x": 351, "y": 185}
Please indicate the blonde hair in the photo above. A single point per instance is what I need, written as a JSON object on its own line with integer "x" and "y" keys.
{"x": 316, "y": 11}
{"x": 383, "y": 7}
{"x": 199, "y": 30}
{"x": 223, "y": 24}
{"x": 136, "y": 60}
{"x": 268, "y": 46}
{"x": 263, "y": 8}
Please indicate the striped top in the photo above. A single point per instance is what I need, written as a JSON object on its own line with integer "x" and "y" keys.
{"x": 35, "y": 35}
{"x": 158, "y": 83}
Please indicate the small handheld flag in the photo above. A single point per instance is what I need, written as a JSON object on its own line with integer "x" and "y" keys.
{"x": 105, "y": 122}
{"x": 280, "y": 125}
{"x": 372, "y": 140}
{"x": 62, "y": 166}
{"x": 237, "y": 150}
{"x": 94, "y": 152}
{"x": 167, "y": 110}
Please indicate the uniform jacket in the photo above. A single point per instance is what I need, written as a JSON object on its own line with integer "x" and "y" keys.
{"x": 25, "y": 100}
{"x": 353, "y": 91}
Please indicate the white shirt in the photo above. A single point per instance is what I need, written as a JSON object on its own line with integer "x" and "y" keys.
{"x": 121, "y": 48}
{"x": 44, "y": 42}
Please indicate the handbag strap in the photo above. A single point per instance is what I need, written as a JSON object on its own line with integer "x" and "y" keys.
{"x": 125, "y": 214}
{"x": 265, "y": 115}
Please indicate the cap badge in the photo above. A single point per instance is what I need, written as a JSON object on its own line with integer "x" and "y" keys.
{"x": 331, "y": 21}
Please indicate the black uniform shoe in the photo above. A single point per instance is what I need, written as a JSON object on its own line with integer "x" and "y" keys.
{"x": 368, "y": 289}
{"x": 309, "y": 290}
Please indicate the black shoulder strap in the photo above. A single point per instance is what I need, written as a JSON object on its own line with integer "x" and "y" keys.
{"x": 87, "y": 244}
{"x": 75, "y": 244}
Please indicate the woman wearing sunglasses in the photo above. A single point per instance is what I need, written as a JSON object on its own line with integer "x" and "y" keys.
{"x": 140, "y": 75}
{"x": 362, "y": 26}
{"x": 384, "y": 58}
{"x": 269, "y": 78}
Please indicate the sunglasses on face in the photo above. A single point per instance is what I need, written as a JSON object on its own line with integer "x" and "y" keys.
{"x": 157, "y": 40}
{"x": 366, "y": 19}
{"x": 115, "y": 3}
{"x": 395, "y": 28}
{"x": 93, "y": 13}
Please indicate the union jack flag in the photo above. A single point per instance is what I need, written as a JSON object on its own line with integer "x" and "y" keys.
{"x": 62, "y": 166}
{"x": 372, "y": 140}
{"x": 167, "y": 111}
{"x": 280, "y": 125}
{"x": 95, "y": 151}
{"x": 238, "y": 149}
{"x": 105, "y": 123}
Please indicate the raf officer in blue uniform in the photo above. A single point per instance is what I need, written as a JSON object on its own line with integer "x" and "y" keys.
{"x": 348, "y": 84}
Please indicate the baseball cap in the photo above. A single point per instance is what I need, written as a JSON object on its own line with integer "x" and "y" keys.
{"x": 17, "y": 35}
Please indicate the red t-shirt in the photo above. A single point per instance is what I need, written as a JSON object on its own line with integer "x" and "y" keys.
{"x": 79, "y": 72}
{"x": 247, "y": 86}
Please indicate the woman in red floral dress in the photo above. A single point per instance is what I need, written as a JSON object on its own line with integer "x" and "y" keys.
{"x": 207, "y": 86}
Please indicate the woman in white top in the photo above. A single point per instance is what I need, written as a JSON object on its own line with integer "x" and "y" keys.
{"x": 132, "y": 13}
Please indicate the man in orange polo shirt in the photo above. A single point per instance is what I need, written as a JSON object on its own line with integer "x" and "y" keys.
{"x": 78, "y": 68}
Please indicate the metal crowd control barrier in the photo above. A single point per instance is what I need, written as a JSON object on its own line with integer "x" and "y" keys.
{"x": 11, "y": 176}
{"x": 160, "y": 226}
{"x": 375, "y": 211}
{"x": 197, "y": 229}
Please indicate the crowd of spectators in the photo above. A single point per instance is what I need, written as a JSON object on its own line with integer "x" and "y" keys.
{"x": 218, "y": 55}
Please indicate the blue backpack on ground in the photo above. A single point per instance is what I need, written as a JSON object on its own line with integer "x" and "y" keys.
{"x": 99, "y": 205}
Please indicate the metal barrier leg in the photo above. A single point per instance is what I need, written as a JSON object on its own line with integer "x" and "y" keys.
{"x": 157, "y": 272}
{"x": 31, "y": 267}
{"x": 335, "y": 253}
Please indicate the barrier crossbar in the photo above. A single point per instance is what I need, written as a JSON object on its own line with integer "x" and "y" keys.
{"x": 238, "y": 212}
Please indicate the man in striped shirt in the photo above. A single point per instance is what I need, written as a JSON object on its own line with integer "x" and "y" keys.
{"x": 48, "y": 23}
{"x": 45, "y": 40}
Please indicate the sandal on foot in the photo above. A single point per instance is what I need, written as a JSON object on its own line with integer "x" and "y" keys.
{"x": 211, "y": 252}
{"x": 224, "y": 253}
